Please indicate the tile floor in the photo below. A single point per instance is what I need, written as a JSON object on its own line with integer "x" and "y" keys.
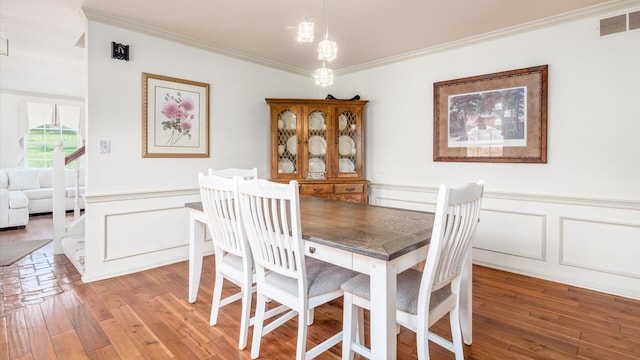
{"x": 38, "y": 276}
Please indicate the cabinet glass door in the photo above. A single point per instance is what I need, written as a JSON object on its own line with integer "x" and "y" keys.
{"x": 347, "y": 141}
{"x": 317, "y": 145}
{"x": 288, "y": 142}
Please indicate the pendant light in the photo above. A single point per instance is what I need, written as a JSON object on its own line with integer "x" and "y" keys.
{"x": 305, "y": 29}
{"x": 324, "y": 76}
{"x": 327, "y": 49}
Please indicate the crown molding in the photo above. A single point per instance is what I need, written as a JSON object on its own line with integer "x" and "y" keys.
{"x": 611, "y": 6}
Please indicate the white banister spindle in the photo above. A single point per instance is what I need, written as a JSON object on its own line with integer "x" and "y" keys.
{"x": 76, "y": 201}
{"x": 58, "y": 197}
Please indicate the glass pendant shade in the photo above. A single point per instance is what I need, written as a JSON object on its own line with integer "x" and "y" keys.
{"x": 305, "y": 31}
{"x": 327, "y": 50}
{"x": 324, "y": 76}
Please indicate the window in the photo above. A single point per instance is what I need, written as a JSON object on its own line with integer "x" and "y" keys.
{"x": 48, "y": 124}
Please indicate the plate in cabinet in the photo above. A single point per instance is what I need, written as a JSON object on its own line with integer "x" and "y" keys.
{"x": 289, "y": 120}
{"x": 285, "y": 166}
{"x": 292, "y": 145}
{"x": 346, "y": 145}
{"x": 346, "y": 165}
{"x": 316, "y": 121}
{"x": 317, "y": 145}
{"x": 342, "y": 122}
{"x": 316, "y": 165}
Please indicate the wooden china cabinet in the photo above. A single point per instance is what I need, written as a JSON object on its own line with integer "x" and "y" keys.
{"x": 319, "y": 143}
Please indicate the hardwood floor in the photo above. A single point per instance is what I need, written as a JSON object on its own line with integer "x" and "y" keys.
{"x": 146, "y": 316}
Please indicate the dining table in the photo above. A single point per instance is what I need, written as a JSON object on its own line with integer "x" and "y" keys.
{"x": 375, "y": 240}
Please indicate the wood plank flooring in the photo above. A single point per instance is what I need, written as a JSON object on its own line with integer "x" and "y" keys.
{"x": 147, "y": 316}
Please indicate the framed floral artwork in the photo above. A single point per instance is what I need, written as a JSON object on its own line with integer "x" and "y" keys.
{"x": 499, "y": 117}
{"x": 175, "y": 117}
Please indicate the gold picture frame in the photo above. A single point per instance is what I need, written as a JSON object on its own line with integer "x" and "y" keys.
{"x": 175, "y": 117}
{"x": 499, "y": 117}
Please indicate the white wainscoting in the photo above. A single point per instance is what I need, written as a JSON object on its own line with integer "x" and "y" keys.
{"x": 531, "y": 242}
{"x": 126, "y": 238}
{"x": 590, "y": 243}
{"x": 126, "y": 233}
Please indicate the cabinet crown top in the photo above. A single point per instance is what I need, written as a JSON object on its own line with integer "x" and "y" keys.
{"x": 314, "y": 101}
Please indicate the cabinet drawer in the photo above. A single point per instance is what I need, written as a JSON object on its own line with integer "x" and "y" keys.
{"x": 349, "y": 188}
{"x": 316, "y": 189}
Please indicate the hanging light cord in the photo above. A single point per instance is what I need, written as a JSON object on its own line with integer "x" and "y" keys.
{"x": 326, "y": 19}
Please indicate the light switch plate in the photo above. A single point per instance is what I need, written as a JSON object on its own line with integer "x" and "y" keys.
{"x": 105, "y": 146}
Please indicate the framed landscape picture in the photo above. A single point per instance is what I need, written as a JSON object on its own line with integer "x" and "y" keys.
{"x": 175, "y": 117}
{"x": 500, "y": 117}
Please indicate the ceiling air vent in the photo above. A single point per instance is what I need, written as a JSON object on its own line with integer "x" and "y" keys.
{"x": 613, "y": 25}
{"x": 634, "y": 20}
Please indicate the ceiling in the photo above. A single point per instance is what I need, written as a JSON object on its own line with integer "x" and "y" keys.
{"x": 368, "y": 32}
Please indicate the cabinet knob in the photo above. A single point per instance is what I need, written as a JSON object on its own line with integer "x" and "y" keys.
{"x": 317, "y": 189}
{"x": 350, "y": 189}
{"x": 312, "y": 250}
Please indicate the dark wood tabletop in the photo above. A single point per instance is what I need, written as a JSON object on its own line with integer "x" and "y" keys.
{"x": 375, "y": 231}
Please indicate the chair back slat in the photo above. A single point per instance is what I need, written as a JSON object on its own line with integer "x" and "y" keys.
{"x": 273, "y": 233}
{"x": 222, "y": 213}
{"x": 457, "y": 214}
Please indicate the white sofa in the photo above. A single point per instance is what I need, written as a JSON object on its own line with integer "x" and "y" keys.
{"x": 25, "y": 191}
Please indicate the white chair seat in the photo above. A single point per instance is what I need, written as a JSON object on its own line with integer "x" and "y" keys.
{"x": 322, "y": 278}
{"x": 408, "y": 290}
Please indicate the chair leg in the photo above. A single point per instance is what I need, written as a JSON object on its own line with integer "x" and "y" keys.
{"x": 422, "y": 341}
{"x": 310, "y": 316}
{"x": 456, "y": 333}
{"x": 350, "y": 320}
{"x": 301, "y": 346}
{"x": 244, "y": 318}
{"x": 257, "y": 326}
{"x": 217, "y": 295}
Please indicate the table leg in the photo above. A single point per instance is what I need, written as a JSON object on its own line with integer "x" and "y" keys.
{"x": 383, "y": 301}
{"x": 466, "y": 297}
{"x": 196, "y": 241}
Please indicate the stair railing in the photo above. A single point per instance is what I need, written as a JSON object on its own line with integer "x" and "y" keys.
{"x": 59, "y": 185}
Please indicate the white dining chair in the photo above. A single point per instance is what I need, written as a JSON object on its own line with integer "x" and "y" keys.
{"x": 233, "y": 259}
{"x": 425, "y": 297}
{"x": 271, "y": 218}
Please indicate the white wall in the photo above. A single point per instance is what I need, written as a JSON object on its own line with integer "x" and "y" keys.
{"x": 136, "y": 217}
{"x": 574, "y": 219}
